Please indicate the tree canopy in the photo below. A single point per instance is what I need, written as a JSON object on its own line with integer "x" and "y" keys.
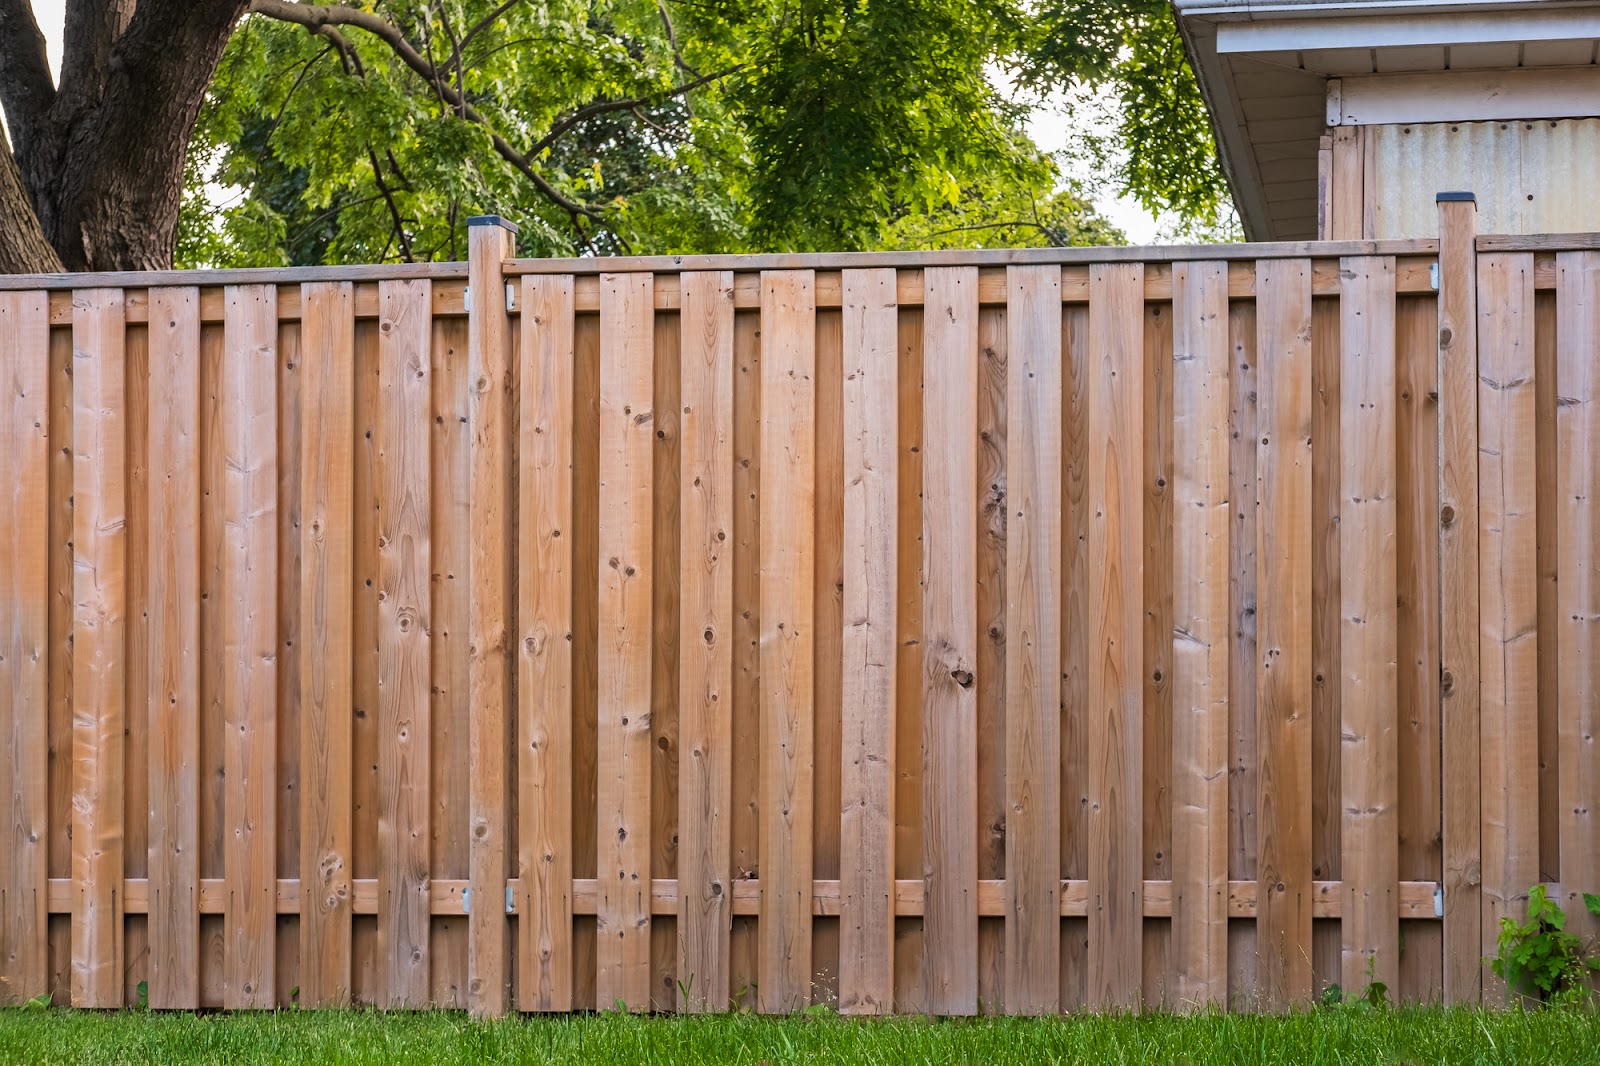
{"x": 371, "y": 130}
{"x": 619, "y": 126}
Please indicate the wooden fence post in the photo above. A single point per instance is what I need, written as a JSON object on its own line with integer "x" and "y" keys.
{"x": 1458, "y": 592}
{"x": 488, "y": 567}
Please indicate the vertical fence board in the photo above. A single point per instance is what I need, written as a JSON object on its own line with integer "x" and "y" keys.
{"x": 828, "y": 632}
{"x": 665, "y": 507}
{"x": 950, "y": 626}
{"x": 364, "y": 741}
{"x": 990, "y": 676}
{"x": 627, "y": 435}
{"x": 866, "y": 860}
{"x": 788, "y": 560}
{"x": 99, "y": 541}
{"x": 327, "y": 343}
{"x": 1369, "y": 784}
{"x": 1578, "y": 465}
{"x": 1116, "y": 627}
{"x": 1509, "y": 619}
{"x": 1200, "y": 635}
{"x": 404, "y": 622}
{"x": 908, "y": 842}
{"x": 1458, "y": 600}
{"x": 1326, "y": 727}
{"x": 585, "y": 653}
{"x": 25, "y": 649}
{"x": 1283, "y": 656}
{"x": 1156, "y": 729}
{"x": 172, "y": 696}
{"x": 745, "y": 823}
{"x": 1077, "y": 369}
{"x": 544, "y": 657}
{"x": 705, "y": 703}
{"x": 249, "y": 633}
{"x": 490, "y": 415}
{"x": 1033, "y": 641}
{"x": 1417, "y": 650}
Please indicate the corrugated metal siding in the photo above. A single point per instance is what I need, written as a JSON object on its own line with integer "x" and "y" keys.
{"x": 1530, "y": 177}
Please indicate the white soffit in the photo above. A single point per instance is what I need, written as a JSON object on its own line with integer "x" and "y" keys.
{"x": 1464, "y": 96}
{"x": 1407, "y": 30}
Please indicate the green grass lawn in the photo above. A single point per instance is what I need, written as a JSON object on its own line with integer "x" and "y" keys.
{"x": 1334, "y": 1037}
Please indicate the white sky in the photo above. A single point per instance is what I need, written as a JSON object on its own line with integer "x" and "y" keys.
{"x": 1050, "y": 127}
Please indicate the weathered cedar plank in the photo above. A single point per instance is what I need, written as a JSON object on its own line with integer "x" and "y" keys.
{"x": 1578, "y": 468}
{"x": 249, "y": 633}
{"x": 404, "y": 622}
{"x": 1033, "y": 641}
{"x": 950, "y": 628}
{"x": 1283, "y": 655}
{"x": 908, "y": 843}
{"x": 627, "y": 435}
{"x": 990, "y": 675}
{"x": 25, "y": 649}
{"x": 1155, "y": 757}
{"x": 705, "y": 746}
{"x": 490, "y": 415}
{"x": 1509, "y": 639}
{"x": 1369, "y": 624}
{"x": 1200, "y": 635}
{"x": 1116, "y": 635}
{"x": 99, "y": 541}
{"x": 788, "y": 560}
{"x": 172, "y": 696}
{"x": 1077, "y": 366}
{"x": 871, "y": 473}
{"x": 544, "y": 654}
{"x": 664, "y": 595}
{"x": 828, "y": 626}
{"x": 1458, "y": 599}
{"x": 327, "y": 365}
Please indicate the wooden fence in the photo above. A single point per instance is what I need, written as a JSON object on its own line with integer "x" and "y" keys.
{"x": 949, "y": 632}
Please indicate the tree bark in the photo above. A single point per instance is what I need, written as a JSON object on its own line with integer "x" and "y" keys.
{"x": 23, "y": 247}
{"x": 101, "y": 157}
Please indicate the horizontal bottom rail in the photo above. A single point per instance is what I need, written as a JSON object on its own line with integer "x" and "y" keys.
{"x": 449, "y": 897}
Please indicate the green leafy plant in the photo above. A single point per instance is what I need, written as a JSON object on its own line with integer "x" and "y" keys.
{"x": 1540, "y": 957}
{"x": 1375, "y": 996}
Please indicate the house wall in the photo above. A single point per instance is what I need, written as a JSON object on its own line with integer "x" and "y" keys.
{"x": 1533, "y": 176}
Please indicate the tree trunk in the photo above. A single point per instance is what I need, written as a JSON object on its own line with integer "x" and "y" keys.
{"x": 23, "y": 247}
{"x": 101, "y": 159}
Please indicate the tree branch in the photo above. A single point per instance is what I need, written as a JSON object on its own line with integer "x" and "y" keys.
{"x": 485, "y": 22}
{"x": 26, "y": 90}
{"x": 394, "y": 210}
{"x": 605, "y": 106}
{"x": 316, "y": 16}
{"x": 23, "y": 247}
{"x": 92, "y": 28}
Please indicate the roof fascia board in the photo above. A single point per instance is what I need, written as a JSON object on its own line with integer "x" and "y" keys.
{"x": 1383, "y": 31}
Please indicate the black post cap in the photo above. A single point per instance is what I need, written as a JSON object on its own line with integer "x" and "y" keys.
{"x": 493, "y": 220}
{"x": 1456, "y": 198}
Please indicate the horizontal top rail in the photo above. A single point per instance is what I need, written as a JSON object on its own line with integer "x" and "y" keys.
{"x": 1539, "y": 242}
{"x": 127, "y": 279}
{"x": 1174, "y": 253}
{"x": 671, "y": 264}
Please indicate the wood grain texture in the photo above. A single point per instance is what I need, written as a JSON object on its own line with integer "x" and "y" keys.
{"x": 99, "y": 625}
{"x": 1507, "y": 592}
{"x": 705, "y": 642}
{"x": 744, "y": 827}
{"x": 249, "y": 634}
{"x": 25, "y": 648}
{"x": 327, "y": 500}
{"x": 627, "y": 435}
{"x": 1078, "y": 366}
{"x": 665, "y": 506}
{"x": 1283, "y": 654}
{"x": 908, "y": 835}
{"x": 544, "y": 655}
{"x": 404, "y": 622}
{"x": 1346, "y": 198}
{"x": 1033, "y": 642}
{"x": 172, "y": 693}
{"x": 1578, "y": 530}
{"x": 788, "y": 561}
{"x": 490, "y": 606}
{"x": 1200, "y": 635}
{"x": 950, "y": 632}
{"x": 1369, "y": 627}
{"x": 871, "y": 472}
{"x": 1458, "y": 600}
{"x": 990, "y": 676}
{"x": 1116, "y": 674}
